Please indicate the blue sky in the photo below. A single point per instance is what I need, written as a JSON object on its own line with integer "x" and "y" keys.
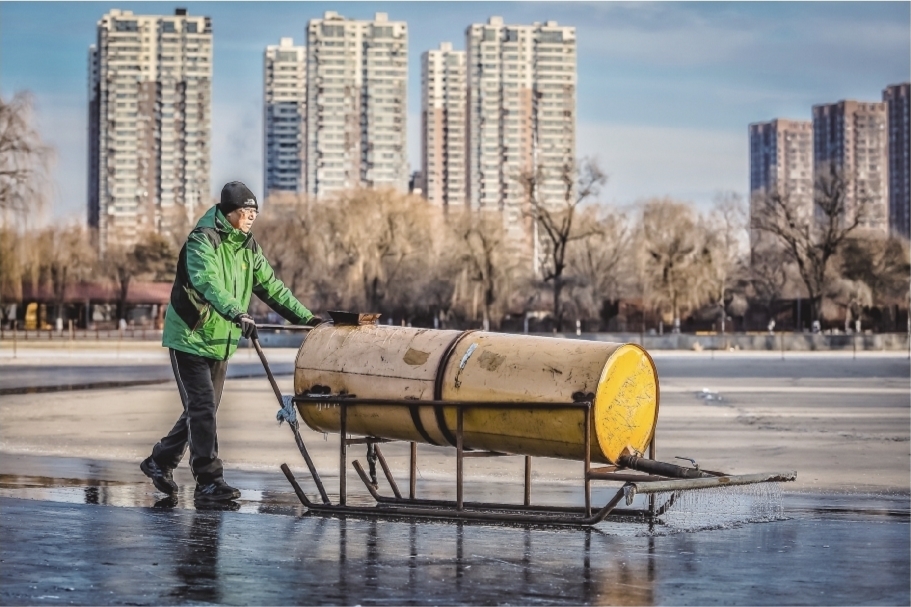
{"x": 666, "y": 90}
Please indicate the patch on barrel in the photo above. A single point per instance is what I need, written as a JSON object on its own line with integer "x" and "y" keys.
{"x": 415, "y": 357}
{"x": 490, "y": 360}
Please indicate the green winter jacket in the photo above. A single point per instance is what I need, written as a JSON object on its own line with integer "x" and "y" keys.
{"x": 218, "y": 269}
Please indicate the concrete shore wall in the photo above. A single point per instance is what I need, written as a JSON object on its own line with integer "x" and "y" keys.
{"x": 790, "y": 342}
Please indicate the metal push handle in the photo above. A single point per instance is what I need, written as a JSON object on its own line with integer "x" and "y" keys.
{"x": 294, "y": 427}
{"x": 262, "y": 358}
{"x": 286, "y": 327}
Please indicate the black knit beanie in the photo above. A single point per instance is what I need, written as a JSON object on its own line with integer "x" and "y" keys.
{"x": 236, "y": 195}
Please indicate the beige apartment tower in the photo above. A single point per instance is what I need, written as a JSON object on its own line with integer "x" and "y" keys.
{"x": 851, "y": 136}
{"x": 150, "y": 108}
{"x": 521, "y": 114}
{"x": 781, "y": 164}
{"x": 443, "y": 96}
{"x": 285, "y": 103}
{"x": 357, "y": 73}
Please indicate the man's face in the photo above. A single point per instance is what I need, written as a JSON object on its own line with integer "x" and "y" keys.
{"x": 242, "y": 219}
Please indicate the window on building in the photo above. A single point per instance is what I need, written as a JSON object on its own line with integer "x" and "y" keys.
{"x": 382, "y": 31}
{"x": 126, "y": 26}
{"x": 333, "y": 31}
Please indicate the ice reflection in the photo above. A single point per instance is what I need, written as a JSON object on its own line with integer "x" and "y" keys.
{"x": 196, "y": 561}
{"x": 431, "y": 562}
{"x": 134, "y": 494}
{"x": 102, "y": 555}
{"x": 226, "y": 557}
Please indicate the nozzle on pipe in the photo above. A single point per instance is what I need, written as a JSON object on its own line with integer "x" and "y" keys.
{"x": 661, "y": 468}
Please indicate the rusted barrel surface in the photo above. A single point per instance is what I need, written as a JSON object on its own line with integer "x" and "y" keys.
{"x": 381, "y": 362}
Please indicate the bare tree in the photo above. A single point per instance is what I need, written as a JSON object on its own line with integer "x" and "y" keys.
{"x": 120, "y": 266}
{"x": 726, "y": 234}
{"x": 65, "y": 255}
{"x": 813, "y": 237}
{"x": 882, "y": 264}
{"x": 556, "y": 220}
{"x": 601, "y": 262}
{"x": 381, "y": 235}
{"x": 25, "y": 161}
{"x": 152, "y": 257}
{"x": 485, "y": 259}
{"x": 768, "y": 277}
{"x": 671, "y": 254}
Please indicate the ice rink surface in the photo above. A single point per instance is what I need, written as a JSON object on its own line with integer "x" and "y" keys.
{"x": 79, "y": 524}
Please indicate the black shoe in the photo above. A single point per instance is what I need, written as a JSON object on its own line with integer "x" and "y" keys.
{"x": 161, "y": 477}
{"x": 216, "y": 491}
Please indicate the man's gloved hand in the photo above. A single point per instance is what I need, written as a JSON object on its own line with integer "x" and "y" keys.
{"x": 314, "y": 320}
{"x": 247, "y": 325}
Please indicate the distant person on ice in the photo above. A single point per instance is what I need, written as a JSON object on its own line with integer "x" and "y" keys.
{"x": 219, "y": 267}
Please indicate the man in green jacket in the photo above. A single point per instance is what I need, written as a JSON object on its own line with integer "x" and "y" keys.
{"x": 218, "y": 269}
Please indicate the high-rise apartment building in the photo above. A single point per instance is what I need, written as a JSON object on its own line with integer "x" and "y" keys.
{"x": 150, "y": 108}
{"x": 897, "y": 98}
{"x": 781, "y": 164}
{"x": 521, "y": 114}
{"x": 851, "y": 137}
{"x": 781, "y": 158}
{"x": 356, "y": 104}
{"x": 285, "y": 102}
{"x": 443, "y": 96}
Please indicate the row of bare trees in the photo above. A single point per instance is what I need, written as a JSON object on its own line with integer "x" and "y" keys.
{"x": 383, "y": 251}
{"x": 388, "y": 252}
{"x": 831, "y": 244}
{"x": 53, "y": 259}
{"x": 393, "y": 253}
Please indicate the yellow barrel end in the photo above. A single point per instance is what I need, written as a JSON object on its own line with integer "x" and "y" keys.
{"x": 626, "y": 402}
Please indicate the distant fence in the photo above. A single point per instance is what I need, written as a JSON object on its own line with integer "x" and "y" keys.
{"x": 35, "y": 335}
{"x": 790, "y": 342}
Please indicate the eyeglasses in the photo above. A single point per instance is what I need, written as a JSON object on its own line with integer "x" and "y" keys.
{"x": 249, "y": 213}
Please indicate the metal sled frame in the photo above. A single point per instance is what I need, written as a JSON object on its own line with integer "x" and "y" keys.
{"x": 460, "y": 510}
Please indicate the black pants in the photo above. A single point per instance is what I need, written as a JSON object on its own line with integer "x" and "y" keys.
{"x": 200, "y": 382}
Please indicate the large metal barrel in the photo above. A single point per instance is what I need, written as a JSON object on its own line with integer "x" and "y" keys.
{"x": 371, "y": 361}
